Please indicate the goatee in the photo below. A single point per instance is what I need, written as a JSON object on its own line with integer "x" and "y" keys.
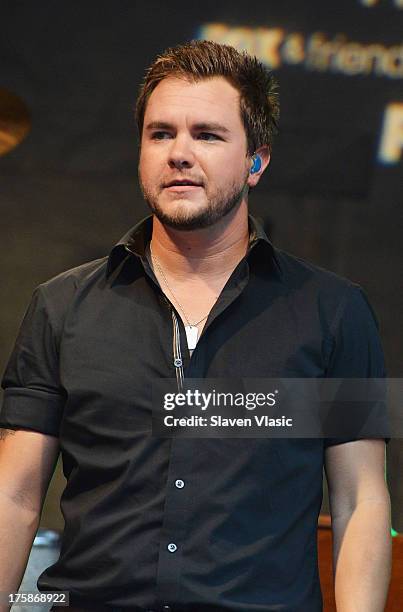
{"x": 217, "y": 208}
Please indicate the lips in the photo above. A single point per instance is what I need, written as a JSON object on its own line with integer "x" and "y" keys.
{"x": 182, "y": 183}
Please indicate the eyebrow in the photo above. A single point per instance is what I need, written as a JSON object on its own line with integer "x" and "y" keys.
{"x": 210, "y": 127}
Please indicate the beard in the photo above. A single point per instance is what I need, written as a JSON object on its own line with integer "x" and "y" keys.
{"x": 218, "y": 206}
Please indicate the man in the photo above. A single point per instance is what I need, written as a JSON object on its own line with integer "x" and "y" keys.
{"x": 194, "y": 291}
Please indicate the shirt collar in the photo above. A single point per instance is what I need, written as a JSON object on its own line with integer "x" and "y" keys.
{"x": 136, "y": 239}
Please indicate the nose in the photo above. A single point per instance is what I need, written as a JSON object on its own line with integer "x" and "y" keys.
{"x": 181, "y": 153}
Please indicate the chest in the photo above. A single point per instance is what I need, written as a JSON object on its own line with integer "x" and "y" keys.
{"x": 117, "y": 344}
{"x": 114, "y": 346}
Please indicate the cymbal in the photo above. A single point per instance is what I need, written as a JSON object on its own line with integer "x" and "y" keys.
{"x": 15, "y": 120}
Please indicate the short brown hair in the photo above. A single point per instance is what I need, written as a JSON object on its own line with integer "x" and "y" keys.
{"x": 202, "y": 59}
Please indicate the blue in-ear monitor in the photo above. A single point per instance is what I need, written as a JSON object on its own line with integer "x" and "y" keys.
{"x": 256, "y": 164}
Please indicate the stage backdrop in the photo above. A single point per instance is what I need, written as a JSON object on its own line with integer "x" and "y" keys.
{"x": 332, "y": 194}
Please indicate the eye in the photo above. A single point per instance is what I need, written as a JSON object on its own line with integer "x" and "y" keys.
{"x": 160, "y": 135}
{"x": 208, "y": 136}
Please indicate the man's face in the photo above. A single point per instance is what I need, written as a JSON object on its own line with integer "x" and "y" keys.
{"x": 193, "y": 133}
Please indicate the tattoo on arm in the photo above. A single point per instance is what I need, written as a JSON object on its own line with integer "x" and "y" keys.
{"x": 6, "y": 432}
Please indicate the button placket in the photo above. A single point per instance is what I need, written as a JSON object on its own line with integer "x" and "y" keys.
{"x": 174, "y": 525}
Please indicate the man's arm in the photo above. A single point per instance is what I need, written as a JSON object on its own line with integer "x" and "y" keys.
{"x": 360, "y": 511}
{"x": 27, "y": 462}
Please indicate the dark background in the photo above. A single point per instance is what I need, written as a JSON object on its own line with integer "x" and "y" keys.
{"x": 69, "y": 191}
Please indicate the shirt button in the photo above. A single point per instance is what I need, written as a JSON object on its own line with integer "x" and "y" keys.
{"x": 177, "y": 362}
{"x": 172, "y": 547}
{"x": 179, "y": 483}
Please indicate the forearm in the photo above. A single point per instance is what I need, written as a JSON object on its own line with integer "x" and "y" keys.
{"x": 18, "y": 527}
{"x": 362, "y": 554}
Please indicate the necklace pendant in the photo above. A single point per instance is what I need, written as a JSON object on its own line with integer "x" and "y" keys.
{"x": 191, "y": 334}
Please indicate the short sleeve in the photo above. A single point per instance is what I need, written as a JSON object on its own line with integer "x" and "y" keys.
{"x": 33, "y": 396}
{"x": 356, "y": 350}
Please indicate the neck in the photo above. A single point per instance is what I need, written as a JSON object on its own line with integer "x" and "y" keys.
{"x": 205, "y": 253}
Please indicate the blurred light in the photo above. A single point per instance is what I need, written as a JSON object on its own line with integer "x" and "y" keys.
{"x": 391, "y": 146}
{"x": 15, "y": 121}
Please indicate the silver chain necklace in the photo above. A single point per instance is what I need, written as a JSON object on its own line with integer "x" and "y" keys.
{"x": 191, "y": 329}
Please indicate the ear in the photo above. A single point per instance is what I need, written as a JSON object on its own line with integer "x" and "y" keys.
{"x": 264, "y": 155}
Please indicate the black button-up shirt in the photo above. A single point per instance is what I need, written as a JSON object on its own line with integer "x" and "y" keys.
{"x": 193, "y": 524}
